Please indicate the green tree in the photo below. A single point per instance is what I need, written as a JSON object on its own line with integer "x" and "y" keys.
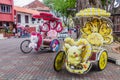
{"x": 61, "y": 7}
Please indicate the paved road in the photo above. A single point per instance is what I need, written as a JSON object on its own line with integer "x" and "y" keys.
{"x": 14, "y": 65}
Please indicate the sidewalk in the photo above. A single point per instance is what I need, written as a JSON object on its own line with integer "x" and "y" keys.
{"x": 113, "y": 54}
{"x": 1, "y": 36}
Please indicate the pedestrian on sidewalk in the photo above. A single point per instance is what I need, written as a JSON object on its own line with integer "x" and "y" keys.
{"x": 14, "y": 30}
{"x": 5, "y": 27}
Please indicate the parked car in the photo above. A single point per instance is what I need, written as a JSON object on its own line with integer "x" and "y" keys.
{"x": 63, "y": 35}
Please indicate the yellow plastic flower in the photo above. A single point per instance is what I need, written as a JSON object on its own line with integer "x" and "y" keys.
{"x": 105, "y": 29}
{"x": 108, "y": 39}
{"x": 93, "y": 12}
{"x": 95, "y": 39}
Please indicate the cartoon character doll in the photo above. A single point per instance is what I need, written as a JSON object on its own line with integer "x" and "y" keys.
{"x": 55, "y": 45}
{"x": 36, "y": 40}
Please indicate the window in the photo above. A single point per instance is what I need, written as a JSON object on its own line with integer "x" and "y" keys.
{"x": 116, "y": 28}
{"x": 19, "y": 18}
{"x": 33, "y": 20}
{"x": 7, "y": 24}
{"x": 2, "y": 8}
{"x": 0, "y": 23}
{"x": 5, "y": 8}
{"x": 38, "y": 21}
{"x": 8, "y": 9}
{"x": 26, "y": 19}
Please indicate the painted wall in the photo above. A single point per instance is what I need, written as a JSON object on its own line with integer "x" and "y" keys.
{"x": 6, "y": 17}
{"x": 31, "y": 23}
{"x": 6, "y": 2}
{"x": 9, "y": 17}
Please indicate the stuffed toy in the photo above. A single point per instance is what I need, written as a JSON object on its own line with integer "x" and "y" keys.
{"x": 36, "y": 40}
{"x": 69, "y": 41}
{"x": 74, "y": 54}
{"x": 77, "y": 51}
{"x": 77, "y": 55}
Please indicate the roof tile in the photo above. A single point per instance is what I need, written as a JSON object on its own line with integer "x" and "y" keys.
{"x": 25, "y": 10}
{"x": 37, "y": 4}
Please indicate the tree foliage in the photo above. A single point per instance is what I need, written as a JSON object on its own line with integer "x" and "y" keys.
{"x": 61, "y": 6}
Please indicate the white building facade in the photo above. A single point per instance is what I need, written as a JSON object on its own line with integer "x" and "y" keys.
{"x": 24, "y": 17}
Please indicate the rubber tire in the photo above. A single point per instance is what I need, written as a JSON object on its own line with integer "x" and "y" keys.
{"x": 98, "y": 63}
{"x": 21, "y": 47}
{"x": 52, "y": 43}
{"x": 62, "y": 60}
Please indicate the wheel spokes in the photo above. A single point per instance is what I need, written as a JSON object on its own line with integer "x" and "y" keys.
{"x": 25, "y": 46}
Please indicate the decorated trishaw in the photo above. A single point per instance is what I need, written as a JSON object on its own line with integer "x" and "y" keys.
{"x": 79, "y": 55}
{"x": 49, "y": 27}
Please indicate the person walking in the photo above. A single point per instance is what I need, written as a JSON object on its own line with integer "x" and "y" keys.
{"x": 14, "y": 30}
{"x": 6, "y": 28}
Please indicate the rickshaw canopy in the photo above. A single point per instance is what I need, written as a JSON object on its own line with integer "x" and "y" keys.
{"x": 88, "y": 12}
{"x": 46, "y": 16}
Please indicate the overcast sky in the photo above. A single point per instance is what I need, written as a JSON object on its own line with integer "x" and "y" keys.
{"x": 23, "y": 2}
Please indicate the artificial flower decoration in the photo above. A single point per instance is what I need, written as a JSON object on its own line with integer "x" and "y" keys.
{"x": 100, "y": 28}
{"x": 90, "y": 12}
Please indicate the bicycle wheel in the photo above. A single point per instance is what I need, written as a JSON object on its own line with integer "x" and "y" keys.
{"x": 55, "y": 45}
{"x": 24, "y": 46}
{"x": 59, "y": 61}
{"x": 102, "y": 63}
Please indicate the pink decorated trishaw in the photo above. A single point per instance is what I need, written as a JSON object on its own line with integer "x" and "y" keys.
{"x": 49, "y": 27}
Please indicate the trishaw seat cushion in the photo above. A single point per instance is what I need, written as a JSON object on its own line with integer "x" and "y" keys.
{"x": 47, "y": 41}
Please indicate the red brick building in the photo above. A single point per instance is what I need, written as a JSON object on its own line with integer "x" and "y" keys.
{"x": 6, "y": 15}
{"x": 37, "y": 5}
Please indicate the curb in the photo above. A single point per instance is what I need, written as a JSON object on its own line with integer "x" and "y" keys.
{"x": 112, "y": 60}
{"x": 3, "y": 38}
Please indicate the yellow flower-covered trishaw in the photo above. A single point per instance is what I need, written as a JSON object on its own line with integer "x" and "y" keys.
{"x": 78, "y": 56}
